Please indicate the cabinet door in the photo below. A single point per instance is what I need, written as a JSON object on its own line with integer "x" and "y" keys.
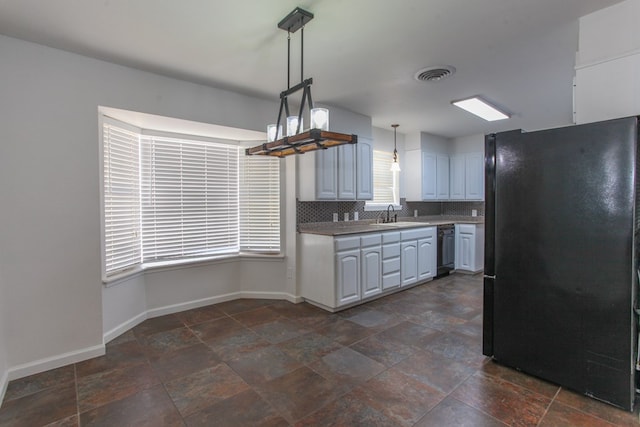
{"x": 427, "y": 258}
{"x": 429, "y": 176}
{"x": 326, "y": 165}
{"x": 346, "y": 172}
{"x": 408, "y": 262}
{"x": 348, "y": 276}
{"x": 465, "y": 247}
{"x": 371, "y": 261}
{"x": 364, "y": 169}
{"x": 474, "y": 176}
{"x": 456, "y": 178}
{"x": 442, "y": 178}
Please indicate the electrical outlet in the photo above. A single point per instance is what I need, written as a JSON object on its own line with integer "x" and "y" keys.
{"x": 346, "y": 216}
{"x": 335, "y": 217}
{"x": 356, "y": 216}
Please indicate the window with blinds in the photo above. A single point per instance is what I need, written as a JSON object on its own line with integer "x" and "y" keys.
{"x": 189, "y": 198}
{"x": 385, "y": 182}
{"x": 259, "y": 204}
{"x": 121, "y": 195}
{"x": 170, "y": 198}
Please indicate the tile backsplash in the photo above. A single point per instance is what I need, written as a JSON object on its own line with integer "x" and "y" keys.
{"x": 323, "y": 211}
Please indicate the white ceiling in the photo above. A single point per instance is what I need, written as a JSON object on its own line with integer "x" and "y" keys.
{"x": 362, "y": 54}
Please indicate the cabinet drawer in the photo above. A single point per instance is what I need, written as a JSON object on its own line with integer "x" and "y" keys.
{"x": 346, "y": 243}
{"x": 372, "y": 239}
{"x": 391, "y": 265}
{"x": 391, "y": 280}
{"x": 392, "y": 237}
{"x": 417, "y": 233}
{"x": 467, "y": 228}
{"x": 391, "y": 251}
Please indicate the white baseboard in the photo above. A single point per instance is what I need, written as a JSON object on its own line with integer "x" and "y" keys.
{"x": 176, "y": 308}
{"x": 54, "y": 362}
{"x": 4, "y": 382}
{"x": 123, "y": 327}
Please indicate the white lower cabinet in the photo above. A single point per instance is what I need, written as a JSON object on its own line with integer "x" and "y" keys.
{"x": 348, "y": 276}
{"x": 418, "y": 255}
{"x": 427, "y": 257}
{"x": 469, "y": 247}
{"x": 371, "y": 264}
{"x": 409, "y": 262}
{"x": 341, "y": 271}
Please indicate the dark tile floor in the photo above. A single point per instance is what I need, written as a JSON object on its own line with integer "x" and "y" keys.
{"x": 409, "y": 359}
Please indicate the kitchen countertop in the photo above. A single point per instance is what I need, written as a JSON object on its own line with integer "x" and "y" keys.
{"x": 369, "y": 226}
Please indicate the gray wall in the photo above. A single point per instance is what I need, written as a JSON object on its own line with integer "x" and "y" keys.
{"x": 53, "y": 298}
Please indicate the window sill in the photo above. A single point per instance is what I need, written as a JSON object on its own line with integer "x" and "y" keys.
{"x": 181, "y": 264}
{"x": 369, "y": 207}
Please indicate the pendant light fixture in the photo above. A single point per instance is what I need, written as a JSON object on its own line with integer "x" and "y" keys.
{"x": 297, "y": 140}
{"x": 395, "y": 166}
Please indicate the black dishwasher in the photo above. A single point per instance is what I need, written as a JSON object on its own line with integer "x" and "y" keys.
{"x": 446, "y": 249}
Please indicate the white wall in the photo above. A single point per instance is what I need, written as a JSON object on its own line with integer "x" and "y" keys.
{"x": 608, "y": 64}
{"x": 49, "y": 187}
{"x": 467, "y": 144}
{"x": 3, "y": 344}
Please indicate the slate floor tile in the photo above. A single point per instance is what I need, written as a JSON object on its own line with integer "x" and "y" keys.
{"x": 507, "y": 402}
{"x": 398, "y": 396}
{"x": 347, "y": 366}
{"x": 106, "y": 386}
{"x": 236, "y": 343}
{"x": 560, "y": 415}
{"x": 42, "y": 407}
{"x": 147, "y": 408}
{"x": 435, "y": 371}
{"x": 300, "y": 393}
{"x": 200, "y": 315}
{"x": 601, "y": 410}
{"x": 262, "y": 365}
{"x": 38, "y": 382}
{"x": 309, "y": 347}
{"x": 243, "y": 409}
{"x": 453, "y": 413}
{"x": 203, "y": 388}
{"x": 184, "y": 361}
{"x": 166, "y": 341}
{"x": 347, "y": 411}
{"x": 157, "y": 324}
{"x": 382, "y": 350}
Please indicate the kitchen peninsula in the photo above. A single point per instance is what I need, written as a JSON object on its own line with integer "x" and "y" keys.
{"x": 343, "y": 264}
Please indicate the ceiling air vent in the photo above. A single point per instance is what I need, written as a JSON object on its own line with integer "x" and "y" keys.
{"x": 434, "y": 74}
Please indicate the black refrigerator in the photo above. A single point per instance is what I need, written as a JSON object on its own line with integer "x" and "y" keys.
{"x": 560, "y": 256}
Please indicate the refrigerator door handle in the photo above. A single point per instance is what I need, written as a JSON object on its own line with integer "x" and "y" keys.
{"x": 489, "y": 277}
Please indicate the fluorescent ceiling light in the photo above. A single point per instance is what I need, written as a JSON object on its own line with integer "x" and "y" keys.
{"x": 481, "y": 109}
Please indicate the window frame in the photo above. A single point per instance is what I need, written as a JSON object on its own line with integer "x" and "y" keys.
{"x": 118, "y": 276}
{"x": 371, "y": 205}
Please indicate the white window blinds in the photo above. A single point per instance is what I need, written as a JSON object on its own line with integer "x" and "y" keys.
{"x": 121, "y": 192}
{"x": 189, "y": 198}
{"x": 168, "y": 198}
{"x": 385, "y": 182}
{"x": 259, "y": 203}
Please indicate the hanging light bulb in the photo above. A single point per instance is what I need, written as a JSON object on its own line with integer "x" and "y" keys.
{"x": 395, "y": 166}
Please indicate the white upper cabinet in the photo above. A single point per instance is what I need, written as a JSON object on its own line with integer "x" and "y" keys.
{"x": 456, "y": 177}
{"x": 364, "y": 169}
{"x": 474, "y": 176}
{"x": 466, "y": 177}
{"x": 442, "y": 177}
{"x": 427, "y": 176}
{"x": 326, "y": 165}
{"x": 339, "y": 173}
{"x": 346, "y": 172}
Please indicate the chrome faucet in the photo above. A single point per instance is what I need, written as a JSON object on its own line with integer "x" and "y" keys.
{"x": 388, "y": 215}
